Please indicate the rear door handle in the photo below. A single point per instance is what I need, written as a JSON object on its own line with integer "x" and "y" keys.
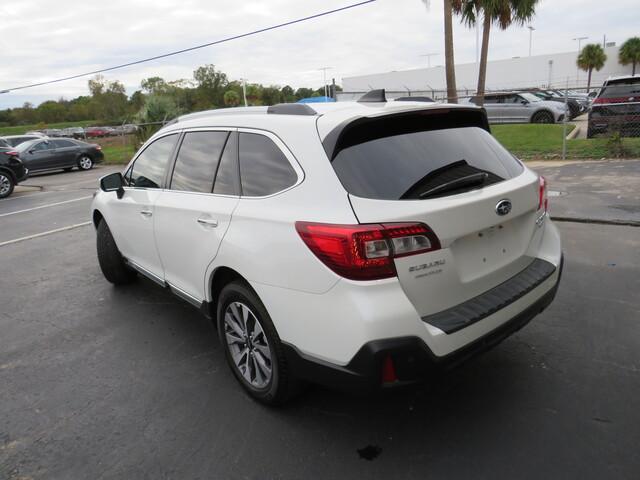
{"x": 208, "y": 222}
{"x": 146, "y": 213}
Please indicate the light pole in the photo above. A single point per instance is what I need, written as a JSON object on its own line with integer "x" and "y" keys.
{"x": 531, "y": 29}
{"x": 244, "y": 90}
{"x": 324, "y": 80}
{"x": 579, "y": 40}
{"x": 429, "y": 55}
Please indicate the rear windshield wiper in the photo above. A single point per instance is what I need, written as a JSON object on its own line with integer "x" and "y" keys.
{"x": 466, "y": 181}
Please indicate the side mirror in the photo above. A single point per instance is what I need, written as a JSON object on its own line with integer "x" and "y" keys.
{"x": 113, "y": 182}
{"x": 30, "y": 152}
{"x": 525, "y": 102}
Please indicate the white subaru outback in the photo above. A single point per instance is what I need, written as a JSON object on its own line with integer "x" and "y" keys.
{"x": 357, "y": 245}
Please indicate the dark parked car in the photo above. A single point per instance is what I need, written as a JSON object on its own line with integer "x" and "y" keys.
{"x": 52, "y": 154}
{"x": 12, "y": 170}
{"x": 15, "y": 140}
{"x": 616, "y": 108}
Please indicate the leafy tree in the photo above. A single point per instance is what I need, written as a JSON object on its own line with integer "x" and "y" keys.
{"x": 154, "y": 85}
{"x": 212, "y": 84}
{"x": 503, "y": 13}
{"x": 592, "y": 56}
{"x": 271, "y": 95}
{"x": 303, "y": 93}
{"x": 51, "y": 112}
{"x": 231, "y": 98}
{"x": 630, "y": 53}
{"x": 288, "y": 94}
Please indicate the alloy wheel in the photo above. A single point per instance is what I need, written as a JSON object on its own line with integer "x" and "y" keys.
{"x": 85, "y": 163}
{"x": 248, "y": 345}
{"x": 5, "y": 184}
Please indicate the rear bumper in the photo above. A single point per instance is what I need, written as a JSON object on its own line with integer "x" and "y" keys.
{"x": 413, "y": 360}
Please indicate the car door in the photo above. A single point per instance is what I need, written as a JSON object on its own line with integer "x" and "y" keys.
{"x": 66, "y": 152}
{"x": 493, "y": 108}
{"x": 40, "y": 156}
{"x": 192, "y": 216}
{"x": 511, "y": 109}
{"x": 131, "y": 217}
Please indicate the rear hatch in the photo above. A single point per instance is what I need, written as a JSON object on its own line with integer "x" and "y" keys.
{"x": 444, "y": 169}
{"x": 618, "y": 104}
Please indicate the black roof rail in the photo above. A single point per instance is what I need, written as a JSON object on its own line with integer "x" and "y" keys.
{"x": 373, "y": 96}
{"x": 414, "y": 99}
{"x": 291, "y": 109}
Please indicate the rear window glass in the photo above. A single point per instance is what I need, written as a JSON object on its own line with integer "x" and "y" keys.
{"x": 422, "y": 163}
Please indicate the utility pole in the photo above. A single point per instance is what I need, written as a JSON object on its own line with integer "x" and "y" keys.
{"x": 579, "y": 40}
{"x": 324, "y": 80}
{"x": 244, "y": 90}
{"x": 429, "y": 55}
{"x": 531, "y": 29}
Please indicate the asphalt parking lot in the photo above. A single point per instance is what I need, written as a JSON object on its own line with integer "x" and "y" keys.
{"x": 102, "y": 382}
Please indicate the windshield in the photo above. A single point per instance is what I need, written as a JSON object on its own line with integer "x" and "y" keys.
{"x": 24, "y": 146}
{"x": 530, "y": 97}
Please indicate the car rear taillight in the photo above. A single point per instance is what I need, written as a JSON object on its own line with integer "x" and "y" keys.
{"x": 12, "y": 153}
{"x": 97, "y": 147}
{"x": 366, "y": 252}
{"x": 543, "y": 201}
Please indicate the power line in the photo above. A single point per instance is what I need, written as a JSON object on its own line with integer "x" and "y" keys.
{"x": 184, "y": 50}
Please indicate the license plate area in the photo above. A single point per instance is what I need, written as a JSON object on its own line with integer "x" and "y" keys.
{"x": 483, "y": 252}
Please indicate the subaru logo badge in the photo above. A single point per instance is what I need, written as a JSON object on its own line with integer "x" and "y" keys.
{"x": 503, "y": 207}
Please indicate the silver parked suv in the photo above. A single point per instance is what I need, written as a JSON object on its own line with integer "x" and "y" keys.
{"x": 521, "y": 108}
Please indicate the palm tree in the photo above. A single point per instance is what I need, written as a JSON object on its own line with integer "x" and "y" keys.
{"x": 449, "y": 63}
{"x": 504, "y": 13}
{"x": 630, "y": 53}
{"x": 592, "y": 56}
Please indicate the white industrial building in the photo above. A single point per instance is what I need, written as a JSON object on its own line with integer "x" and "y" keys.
{"x": 555, "y": 70}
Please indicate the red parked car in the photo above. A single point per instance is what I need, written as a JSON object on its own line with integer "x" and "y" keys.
{"x": 93, "y": 132}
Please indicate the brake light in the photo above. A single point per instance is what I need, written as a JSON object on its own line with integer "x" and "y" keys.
{"x": 97, "y": 147}
{"x": 12, "y": 153}
{"x": 366, "y": 252}
{"x": 543, "y": 201}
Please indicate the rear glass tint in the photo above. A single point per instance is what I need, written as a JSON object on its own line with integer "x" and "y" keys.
{"x": 408, "y": 158}
{"x": 616, "y": 91}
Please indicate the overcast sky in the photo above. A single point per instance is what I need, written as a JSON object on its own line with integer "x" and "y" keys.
{"x": 42, "y": 40}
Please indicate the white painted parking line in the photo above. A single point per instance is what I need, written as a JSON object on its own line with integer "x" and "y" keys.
{"x": 44, "y": 206}
{"x": 42, "y": 234}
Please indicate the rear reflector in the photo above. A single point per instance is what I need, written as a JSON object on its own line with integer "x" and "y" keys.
{"x": 543, "y": 201}
{"x": 366, "y": 252}
{"x": 388, "y": 370}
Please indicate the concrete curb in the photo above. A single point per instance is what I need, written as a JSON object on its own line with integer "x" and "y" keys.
{"x": 620, "y": 223}
{"x": 574, "y": 133}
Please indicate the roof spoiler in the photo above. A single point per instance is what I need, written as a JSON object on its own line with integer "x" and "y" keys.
{"x": 374, "y": 96}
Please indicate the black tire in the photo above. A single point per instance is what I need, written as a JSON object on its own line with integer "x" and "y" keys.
{"x": 281, "y": 385}
{"x": 542, "y": 117}
{"x": 85, "y": 162}
{"x": 7, "y": 184}
{"x": 111, "y": 262}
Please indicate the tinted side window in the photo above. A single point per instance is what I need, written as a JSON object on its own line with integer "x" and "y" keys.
{"x": 197, "y": 161}
{"x": 227, "y": 181}
{"x": 149, "y": 168}
{"x": 38, "y": 147}
{"x": 63, "y": 143}
{"x": 264, "y": 169}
